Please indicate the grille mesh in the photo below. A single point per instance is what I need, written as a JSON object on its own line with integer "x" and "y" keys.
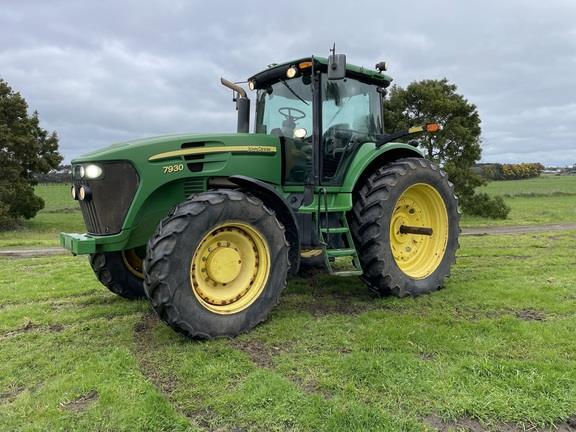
{"x": 111, "y": 196}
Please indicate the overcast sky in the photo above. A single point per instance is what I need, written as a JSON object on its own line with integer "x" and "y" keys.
{"x": 100, "y": 72}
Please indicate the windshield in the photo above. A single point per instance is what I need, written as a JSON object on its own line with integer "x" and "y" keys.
{"x": 285, "y": 109}
{"x": 351, "y": 105}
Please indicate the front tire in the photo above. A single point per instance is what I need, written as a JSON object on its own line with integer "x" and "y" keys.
{"x": 216, "y": 265}
{"x": 411, "y": 192}
{"x": 120, "y": 272}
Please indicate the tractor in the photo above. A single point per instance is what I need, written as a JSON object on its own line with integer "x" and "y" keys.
{"x": 208, "y": 227}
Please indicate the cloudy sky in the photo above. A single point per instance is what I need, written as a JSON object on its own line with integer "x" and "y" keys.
{"x": 105, "y": 71}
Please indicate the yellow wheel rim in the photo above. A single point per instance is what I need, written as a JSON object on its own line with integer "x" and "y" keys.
{"x": 133, "y": 263}
{"x": 418, "y": 255}
{"x": 230, "y": 268}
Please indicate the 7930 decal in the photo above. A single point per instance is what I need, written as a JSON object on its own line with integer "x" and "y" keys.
{"x": 169, "y": 169}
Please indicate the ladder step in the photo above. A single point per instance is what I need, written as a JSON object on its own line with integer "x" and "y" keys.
{"x": 344, "y": 273}
{"x": 335, "y": 230}
{"x": 340, "y": 252}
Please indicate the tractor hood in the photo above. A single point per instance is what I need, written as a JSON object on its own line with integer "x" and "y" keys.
{"x": 142, "y": 150}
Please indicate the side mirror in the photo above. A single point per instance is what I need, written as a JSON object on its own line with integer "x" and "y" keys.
{"x": 336, "y": 66}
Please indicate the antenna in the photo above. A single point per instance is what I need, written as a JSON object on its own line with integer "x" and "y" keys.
{"x": 333, "y": 50}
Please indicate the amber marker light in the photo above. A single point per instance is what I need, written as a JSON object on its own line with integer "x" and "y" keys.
{"x": 432, "y": 127}
{"x": 305, "y": 65}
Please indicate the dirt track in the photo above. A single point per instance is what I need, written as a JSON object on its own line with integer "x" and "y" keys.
{"x": 518, "y": 229}
{"x": 499, "y": 230}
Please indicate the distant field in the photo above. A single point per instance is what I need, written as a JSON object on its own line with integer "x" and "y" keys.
{"x": 544, "y": 185}
{"x": 60, "y": 214}
{"x": 546, "y": 199}
{"x": 533, "y": 201}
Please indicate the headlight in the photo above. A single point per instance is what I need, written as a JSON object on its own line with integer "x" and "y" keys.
{"x": 79, "y": 171}
{"x": 291, "y": 72}
{"x": 73, "y": 193}
{"x": 251, "y": 84}
{"x": 92, "y": 171}
{"x": 84, "y": 193}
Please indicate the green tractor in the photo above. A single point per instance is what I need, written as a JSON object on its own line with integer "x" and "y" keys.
{"x": 209, "y": 227}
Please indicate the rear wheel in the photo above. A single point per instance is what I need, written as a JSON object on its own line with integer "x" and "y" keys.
{"x": 120, "y": 272}
{"x": 217, "y": 265}
{"x": 405, "y": 226}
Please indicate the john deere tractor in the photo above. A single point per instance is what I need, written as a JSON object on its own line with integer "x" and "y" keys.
{"x": 208, "y": 227}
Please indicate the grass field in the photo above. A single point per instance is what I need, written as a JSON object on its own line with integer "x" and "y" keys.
{"x": 61, "y": 213}
{"x": 495, "y": 349}
{"x": 546, "y": 199}
{"x": 535, "y": 201}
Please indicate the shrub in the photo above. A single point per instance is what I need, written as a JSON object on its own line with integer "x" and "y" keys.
{"x": 482, "y": 204}
{"x": 511, "y": 171}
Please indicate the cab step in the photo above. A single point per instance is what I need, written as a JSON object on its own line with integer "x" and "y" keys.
{"x": 345, "y": 273}
{"x": 334, "y": 230}
{"x": 341, "y": 252}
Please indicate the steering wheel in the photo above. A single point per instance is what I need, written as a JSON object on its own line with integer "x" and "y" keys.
{"x": 287, "y": 113}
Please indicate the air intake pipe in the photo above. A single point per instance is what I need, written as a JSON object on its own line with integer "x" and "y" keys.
{"x": 242, "y": 105}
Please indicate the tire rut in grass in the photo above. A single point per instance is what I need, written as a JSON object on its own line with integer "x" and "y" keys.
{"x": 144, "y": 350}
{"x": 262, "y": 356}
{"x": 81, "y": 403}
{"x": 30, "y": 326}
{"x": 469, "y": 424}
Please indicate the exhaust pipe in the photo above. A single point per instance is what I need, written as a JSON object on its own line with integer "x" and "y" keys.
{"x": 242, "y": 105}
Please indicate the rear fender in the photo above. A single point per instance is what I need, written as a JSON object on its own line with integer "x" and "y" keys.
{"x": 370, "y": 157}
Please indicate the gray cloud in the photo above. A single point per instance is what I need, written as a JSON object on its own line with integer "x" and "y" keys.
{"x": 107, "y": 71}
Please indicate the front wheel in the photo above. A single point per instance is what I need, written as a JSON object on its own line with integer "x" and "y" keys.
{"x": 216, "y": 266}
{"x": 405, "y": 225}
{"x": 120, "y": 272}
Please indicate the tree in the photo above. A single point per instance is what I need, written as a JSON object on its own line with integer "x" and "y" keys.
{"x": 25, "y": 149}
{"x": 457, "y": 146}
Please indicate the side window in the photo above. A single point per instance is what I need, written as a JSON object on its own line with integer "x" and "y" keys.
{"x": 351, "y": 115}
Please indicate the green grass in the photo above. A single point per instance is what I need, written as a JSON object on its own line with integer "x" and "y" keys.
{"x": 543, "y": 200}
{"x": 544, "y": 185}
{"x": 61, "y": 213}
{"x": 496, "y": 345}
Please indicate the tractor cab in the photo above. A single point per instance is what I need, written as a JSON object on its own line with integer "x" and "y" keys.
{"x": 318, "y": 115}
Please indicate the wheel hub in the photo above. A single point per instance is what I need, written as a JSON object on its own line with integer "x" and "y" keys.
{"x": 230, "y": 268}
{"x": 419, "y": 231}
{"x": 223, "y": 265}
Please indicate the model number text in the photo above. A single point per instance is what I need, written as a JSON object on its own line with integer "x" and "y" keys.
{"x": 169, "y": 169}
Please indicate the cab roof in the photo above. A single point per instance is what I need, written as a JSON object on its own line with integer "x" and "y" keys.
{"x": 277, "y": 71}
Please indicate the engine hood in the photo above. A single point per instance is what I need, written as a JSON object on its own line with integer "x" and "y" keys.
{"x": 140, "y": 151}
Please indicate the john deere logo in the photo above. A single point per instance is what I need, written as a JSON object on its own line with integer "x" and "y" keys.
{"x": 261, "y": 149}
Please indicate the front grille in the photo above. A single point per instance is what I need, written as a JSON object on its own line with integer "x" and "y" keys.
{"x": 111, "y": 196}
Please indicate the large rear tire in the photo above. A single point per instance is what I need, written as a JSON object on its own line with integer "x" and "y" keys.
{"x": 217, "y": 264}
{"x": 410, "y": 192}
{"x": 120, "y": 272}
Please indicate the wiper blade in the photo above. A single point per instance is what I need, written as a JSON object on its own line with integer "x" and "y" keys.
{"x": 293, "y": 92}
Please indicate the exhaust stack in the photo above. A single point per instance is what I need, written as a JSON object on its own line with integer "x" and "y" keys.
{"x": 242, "y": 105}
